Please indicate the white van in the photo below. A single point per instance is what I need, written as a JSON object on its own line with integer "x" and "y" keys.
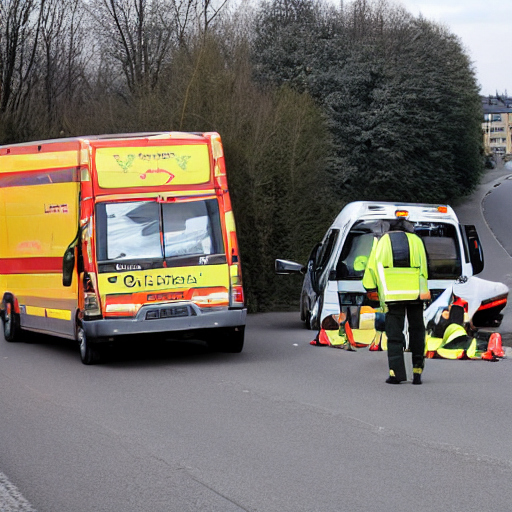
{"x": 454, "y": 254}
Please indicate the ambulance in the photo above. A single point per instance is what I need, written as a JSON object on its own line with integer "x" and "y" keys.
{"x": 334, "y": 272}
{"x": 107, "y": 236}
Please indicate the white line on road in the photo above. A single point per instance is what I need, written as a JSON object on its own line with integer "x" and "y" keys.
{"x": 11, "y": 499}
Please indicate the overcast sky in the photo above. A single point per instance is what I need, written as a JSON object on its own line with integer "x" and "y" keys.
{"x": 485, "y": 29}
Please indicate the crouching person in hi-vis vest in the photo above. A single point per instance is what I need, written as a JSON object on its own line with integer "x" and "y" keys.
{"x": 397, "y": 270}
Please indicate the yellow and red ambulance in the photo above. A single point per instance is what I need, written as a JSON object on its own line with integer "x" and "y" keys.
{"x": 114, "y": 235}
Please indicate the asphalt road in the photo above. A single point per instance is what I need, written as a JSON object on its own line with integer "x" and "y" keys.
{"x": 283, "y": 426}
{"x": 497, "y": 208}
{"x": 490, "y": 210}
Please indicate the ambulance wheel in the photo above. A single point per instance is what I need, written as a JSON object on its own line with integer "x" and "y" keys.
{"x": 11, "y": 322}
{"x": 235, "y": 340}
{"x": 228, "y": 340}
{"x": 89, "y": 353}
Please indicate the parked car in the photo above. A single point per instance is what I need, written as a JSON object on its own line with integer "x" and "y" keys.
{"x": 333, "y": 277}
{"x": 490, "y": 162}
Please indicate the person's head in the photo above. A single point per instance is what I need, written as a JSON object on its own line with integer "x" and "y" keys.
{"x": 401, "y": 224}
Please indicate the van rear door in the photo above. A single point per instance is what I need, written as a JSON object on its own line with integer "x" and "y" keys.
{"x": 175, "y": 247}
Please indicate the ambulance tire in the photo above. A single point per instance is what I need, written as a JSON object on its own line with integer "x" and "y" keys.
{"x": 11, "y": 321}
{"x": 228, "y": 340}
{"x": 89, "y": 352}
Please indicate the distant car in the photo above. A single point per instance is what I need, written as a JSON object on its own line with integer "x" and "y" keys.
{"x": 490, "y": 162}
{"x": 333, "y": 274}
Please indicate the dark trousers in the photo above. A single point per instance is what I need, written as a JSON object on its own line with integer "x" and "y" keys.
{"x": 395, "y": 321}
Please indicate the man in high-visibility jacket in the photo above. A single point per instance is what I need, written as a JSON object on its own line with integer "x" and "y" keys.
{"x": 397, "y": 270}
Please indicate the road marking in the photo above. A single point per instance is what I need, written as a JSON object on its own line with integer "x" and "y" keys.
{"x": 11, "y": 499}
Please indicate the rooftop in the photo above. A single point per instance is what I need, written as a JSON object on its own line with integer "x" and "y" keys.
{"x": 497, "y": 104}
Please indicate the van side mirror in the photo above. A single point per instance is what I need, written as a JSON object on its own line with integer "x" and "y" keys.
{"x": 476, "y": 253}
{"x": 283, "y": 267}
{"x": 68, "y": 265}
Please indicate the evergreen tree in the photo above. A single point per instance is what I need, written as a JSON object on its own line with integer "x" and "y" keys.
{"x": 399, "y": 94}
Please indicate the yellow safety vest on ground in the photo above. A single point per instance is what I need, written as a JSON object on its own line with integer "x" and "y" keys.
{"x": 456, "y": 344}
{"x": 397, "y": 268}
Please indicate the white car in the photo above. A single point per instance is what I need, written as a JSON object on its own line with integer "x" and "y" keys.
{"x": 455, "y": 256}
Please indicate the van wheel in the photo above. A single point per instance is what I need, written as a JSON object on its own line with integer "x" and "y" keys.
{"x": 11, "y": 322}
{"x": 89, "y": 353}
{"x": 228, "y": 340}
{"x": 314, "y": 319}
{"x": 308, "y": 320}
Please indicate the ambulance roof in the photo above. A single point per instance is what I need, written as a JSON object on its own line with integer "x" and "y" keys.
{"x": 113, "y": 137}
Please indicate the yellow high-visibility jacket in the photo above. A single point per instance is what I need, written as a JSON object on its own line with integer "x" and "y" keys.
{"x": 461, "y": 343}
{"x": 397, "y": 268}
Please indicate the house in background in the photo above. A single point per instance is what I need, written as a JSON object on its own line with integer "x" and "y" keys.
{"x": 497, "y": 125}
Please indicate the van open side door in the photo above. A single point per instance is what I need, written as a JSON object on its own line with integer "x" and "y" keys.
{"x": 476, "y": 253}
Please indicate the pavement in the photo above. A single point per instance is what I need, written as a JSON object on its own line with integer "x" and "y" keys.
{"x": 11, "y": 499}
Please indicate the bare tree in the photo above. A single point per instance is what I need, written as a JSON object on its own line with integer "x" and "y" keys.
{"x": 19, "y": 35}
{"x": 184, "y": 12}
{"x": 42, "y": 64}
{"x": 62, "y": 44}
{"x": 208, "y": 12}
{"x": 139, "y": 35}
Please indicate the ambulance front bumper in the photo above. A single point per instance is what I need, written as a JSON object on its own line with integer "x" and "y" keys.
{"x": 166, "y": 318}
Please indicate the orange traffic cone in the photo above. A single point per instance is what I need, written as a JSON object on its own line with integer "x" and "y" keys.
{"x": 494, "y": 345}
{"x": 350, "y": 335}
{"x": 489, "y": 356}
{"x": 321, "y": 339}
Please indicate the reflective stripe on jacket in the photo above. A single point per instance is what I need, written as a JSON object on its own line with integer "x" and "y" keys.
{"x": 397, "y": 267}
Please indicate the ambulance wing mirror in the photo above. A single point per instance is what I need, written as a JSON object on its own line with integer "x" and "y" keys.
{"x": 68, "y": 265}
{"x": 284, "y": 267}
{"x": 476, "y": 253}
{"x": 68, "y": 261}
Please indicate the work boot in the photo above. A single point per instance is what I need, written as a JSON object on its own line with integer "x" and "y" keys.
{"x": 392, "y": 379}
{"x": 416, "y": 375}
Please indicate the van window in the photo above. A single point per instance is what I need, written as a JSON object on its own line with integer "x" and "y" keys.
{"x": 358, "y": 244}
{"x": 327, "y": 248}
{"x": 146, "y": 230}
{"x": 192, "y": 228}
{"x": 441, "y": 245}
{"x": 132, "y": 231}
